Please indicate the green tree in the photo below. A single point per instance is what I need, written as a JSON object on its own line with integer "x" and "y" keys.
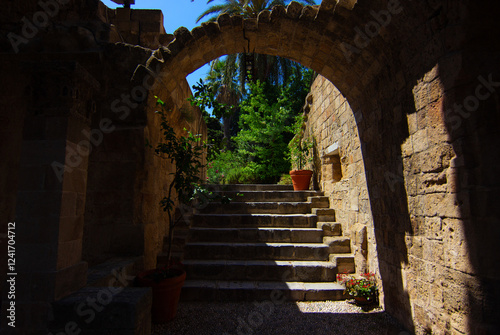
{"x": 224, "y": 85}
{"x": 262, "y": 138}
{"x": 267, "y": 113}
{"x": 204, "y": 98}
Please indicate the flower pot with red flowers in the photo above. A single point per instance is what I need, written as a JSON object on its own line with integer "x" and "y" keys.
{"x": 364, "y": 290}
{"x": 300, "y": 155}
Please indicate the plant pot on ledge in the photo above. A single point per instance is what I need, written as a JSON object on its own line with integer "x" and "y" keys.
{"x": 365, "y": 301}
{"x": 301, "y": 179}
{"x": 166, "y": 292}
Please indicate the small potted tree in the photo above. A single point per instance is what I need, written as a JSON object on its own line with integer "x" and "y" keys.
{"x": 300, "y": 154}
{"x": 185, "y": 154}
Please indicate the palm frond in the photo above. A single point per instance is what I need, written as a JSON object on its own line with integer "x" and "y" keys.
{"x": 218, "y": 9}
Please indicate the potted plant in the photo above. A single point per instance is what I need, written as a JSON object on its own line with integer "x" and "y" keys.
{"x": 364, "y": 290}
{"x": 300, "y": 155}
{"x": 185, "y": 154}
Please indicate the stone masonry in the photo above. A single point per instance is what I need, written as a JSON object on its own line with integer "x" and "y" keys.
{"x": 269, "y": 241}
{"x": 420, "y": 77}
{"x": 339, "y": 169}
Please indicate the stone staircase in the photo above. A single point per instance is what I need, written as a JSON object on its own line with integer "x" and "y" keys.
{"x": 270, "y": 240}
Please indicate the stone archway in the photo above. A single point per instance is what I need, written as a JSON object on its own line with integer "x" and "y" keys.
{"x": 422, "y": 80}
{"x": 317, "y": 38}
{"x": 398, "y": 66}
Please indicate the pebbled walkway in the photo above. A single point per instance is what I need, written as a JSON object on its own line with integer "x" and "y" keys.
{"x": 289, "y": 318}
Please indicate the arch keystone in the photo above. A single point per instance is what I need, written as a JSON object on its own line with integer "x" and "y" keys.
{"x": 250, "y": 24}
{"x": 309, "y": 13}
{"x": 166, "y": 54}
{"x": 278, "y": 12}
{"x": 211, "y": 29}
{"x": 237, "y": 20}
{"x": 328, "y": 5}
{"x": 183, "y": 35}
{"x": 198, "y": 32}
{"x": 224, "y": 21}
{"x": 349, "y": 4}
{"x": 294, "y": 10}
{"x": 264, "y": 16}
{"x": 175, "y": 47}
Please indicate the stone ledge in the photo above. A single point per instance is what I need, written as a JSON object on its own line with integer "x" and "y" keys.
{"x": 117, "y": 272}
{"x": 104, "y": 310}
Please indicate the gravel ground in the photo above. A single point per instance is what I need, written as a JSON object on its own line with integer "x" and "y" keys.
{"x": 311, "y": 318}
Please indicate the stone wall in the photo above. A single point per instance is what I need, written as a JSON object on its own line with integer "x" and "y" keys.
{"x": 338, "y": 168}
{"x": 11, "y": 132}
{"x": 156, "y": 177}
{"x": 127, "y": 181}
{"x": 75, "y": 173}
{"x": 423, "y": 88}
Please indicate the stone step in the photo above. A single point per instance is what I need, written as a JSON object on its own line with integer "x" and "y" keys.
{"x": 324, "y": 214}
{"x": 344, "y": 263}
{"x": 270, "y": 196}
{"x": 330, "y": 228}
{"x": 319, "y": 201}
{"x": 257, "y": 251}
{"x": 249, "y": 187}
{"x": 305, "y": 271}
{"x": 323, "y": 211}
{"x": 299, "y": 235}
{"x": 269, "y": 241}
{"x": 254, "y": 220}
{"x": 257, "y": 208}
{"x": 338, "y": 244}
{"x": 271, "y": 292}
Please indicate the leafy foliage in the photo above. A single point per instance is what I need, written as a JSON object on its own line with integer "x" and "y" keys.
{"x": 185, "y": 154}
{"x": 300, "y": 146}
{"x": 204, "y": 98}
{"x": 366, "y": 286}
{"x": 230, "y": 168}
{"x": 261, "y": 139}
{"x": 261, "y": 153}
{"x": 246, "y": 8}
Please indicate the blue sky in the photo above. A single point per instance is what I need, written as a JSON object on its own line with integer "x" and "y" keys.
{"x": 176, "y": 13}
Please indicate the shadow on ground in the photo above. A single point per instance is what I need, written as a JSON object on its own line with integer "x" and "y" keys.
{"x": 254, "y": 318}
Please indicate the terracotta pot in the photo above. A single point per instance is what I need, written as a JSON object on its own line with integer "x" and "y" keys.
{"x": 362, "y": 301}
{"x": 301, "y": 179}
{"x": 166, "y": 294}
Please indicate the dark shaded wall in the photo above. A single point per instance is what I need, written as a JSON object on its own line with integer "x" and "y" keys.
{"x": 430, "y": 164}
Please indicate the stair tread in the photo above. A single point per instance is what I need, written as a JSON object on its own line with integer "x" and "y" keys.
{"x": 269, "y": 244}
{"x": 242, "y": 250}
{"x": 257, "y": 228}
{"x": 256, "y": 262}
{"x": 260, "y": 202}
{"x": 256, "y": 214}
{"x": 237, "y": 284}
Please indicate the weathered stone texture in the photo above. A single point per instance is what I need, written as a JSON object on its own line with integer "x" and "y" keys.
{"x": 341, "y": 174}
{"x": 422, "y": 176}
